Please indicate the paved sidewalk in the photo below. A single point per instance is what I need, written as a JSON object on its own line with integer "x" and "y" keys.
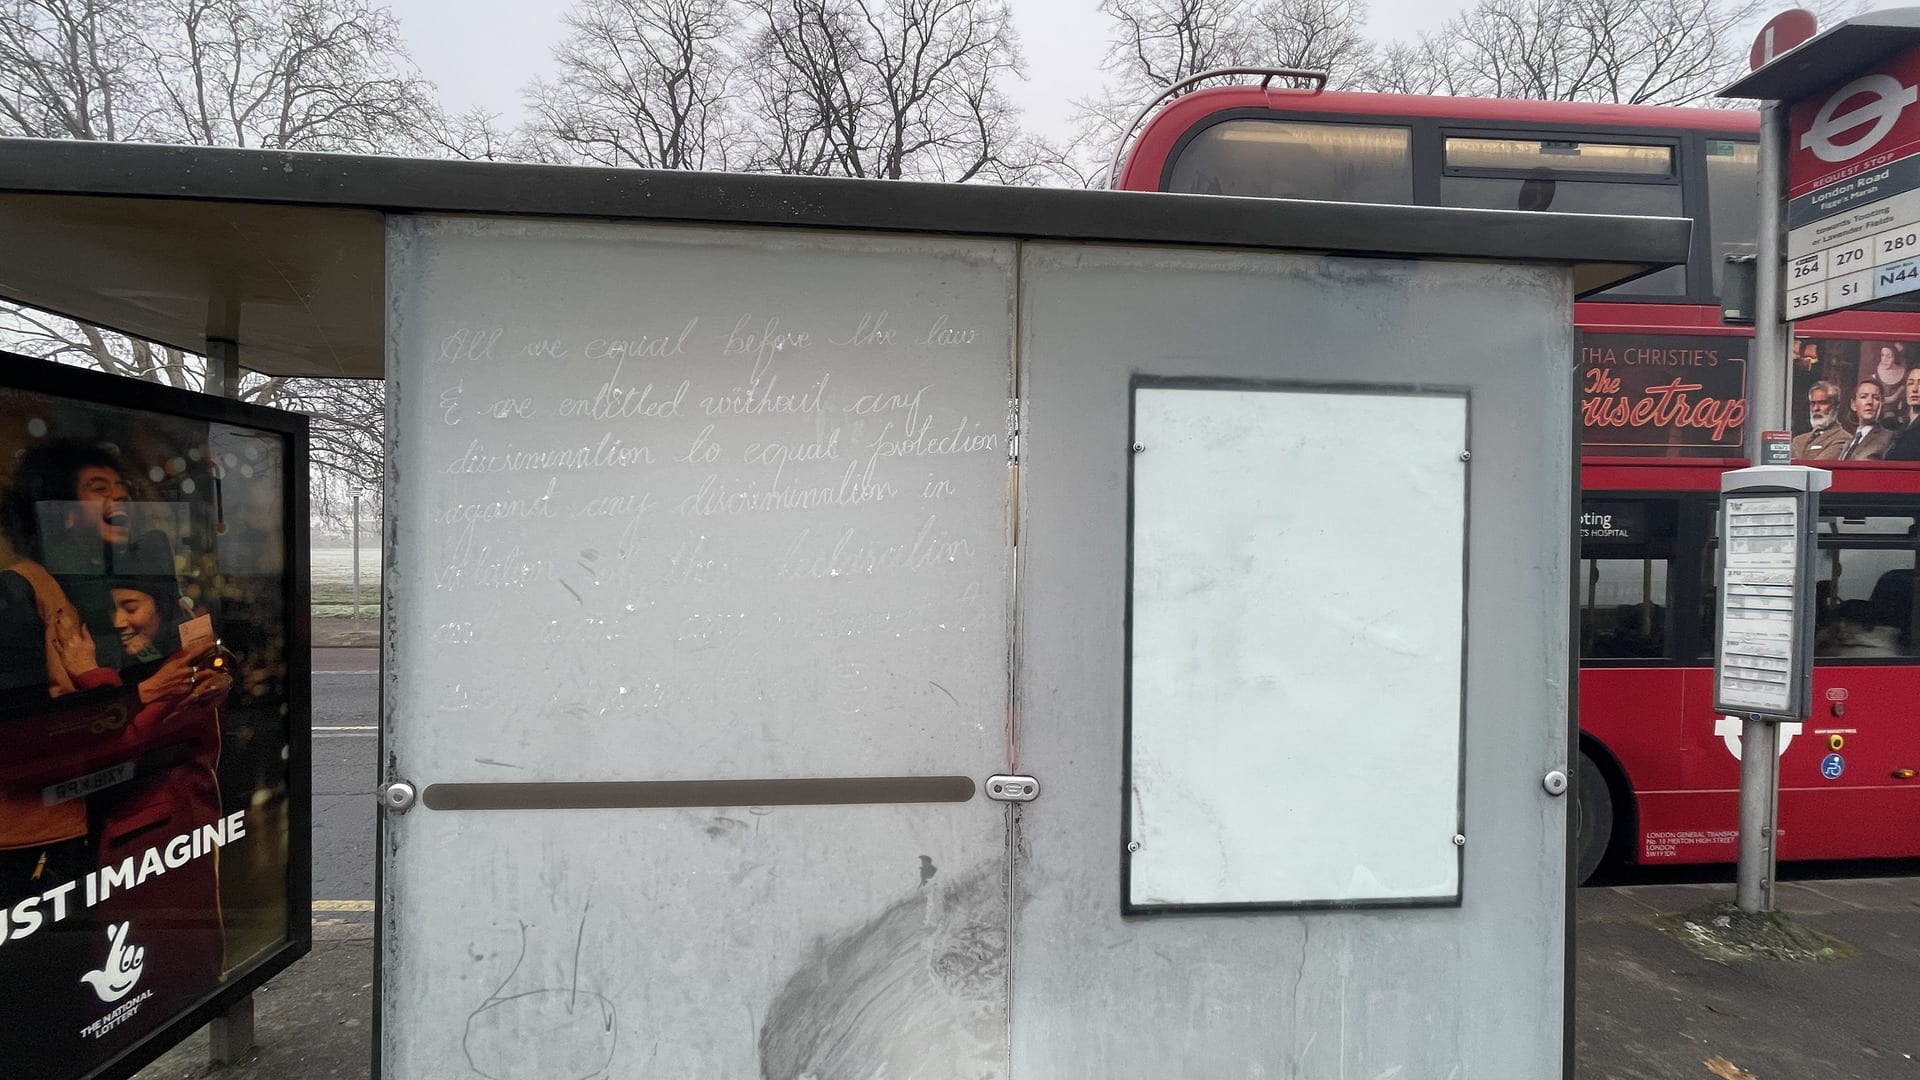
{"x": 313, "y": 1022}
{"x": 1648, "y": 1009}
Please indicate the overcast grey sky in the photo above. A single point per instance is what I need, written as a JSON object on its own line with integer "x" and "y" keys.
{"x": 481, "y": 52}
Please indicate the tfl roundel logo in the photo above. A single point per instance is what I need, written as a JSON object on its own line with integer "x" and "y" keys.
{"x": 1847, "y": 135}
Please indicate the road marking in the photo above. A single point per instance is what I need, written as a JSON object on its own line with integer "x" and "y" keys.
{"x": 347, "y": 727}
{"x": 353, "y": 671}
{"x": 343, "y": 905}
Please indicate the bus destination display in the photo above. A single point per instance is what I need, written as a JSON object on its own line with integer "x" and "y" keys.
{"x": 1757, "y": 631}
{"x": 1853, "y": 191}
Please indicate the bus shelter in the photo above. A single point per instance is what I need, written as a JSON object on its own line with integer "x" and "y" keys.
{"x": 845, "y": 629}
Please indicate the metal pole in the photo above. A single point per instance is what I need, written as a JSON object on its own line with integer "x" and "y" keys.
{"x": 1766, "y": 410}
{"x": 1759, "y": 783}
{"x": 356, "y": 554}
{"x": 223, "y": 368}
{"x": 230, "y": 1035}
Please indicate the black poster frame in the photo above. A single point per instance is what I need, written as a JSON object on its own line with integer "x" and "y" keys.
{"x": 22, "y": 373}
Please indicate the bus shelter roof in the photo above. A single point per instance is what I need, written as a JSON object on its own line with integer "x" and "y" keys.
{"x": 284, "y": 253}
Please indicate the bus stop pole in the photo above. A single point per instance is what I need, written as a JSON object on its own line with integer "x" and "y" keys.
{"x": 1767, "y": 411}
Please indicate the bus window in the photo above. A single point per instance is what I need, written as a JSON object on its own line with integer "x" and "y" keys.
{"x": 1733, "y": 199}
{"x": 1624, "y": 605}
{"x": 1623, "y": 609}
{"x": 1287, "y": 159}
{"x": 1571, "y": 177}
{"x": 1563, "y": 157}
{"x": 1864, "y": 587}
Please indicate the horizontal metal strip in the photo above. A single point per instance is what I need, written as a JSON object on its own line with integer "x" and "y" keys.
{"x": 637, "y": 794}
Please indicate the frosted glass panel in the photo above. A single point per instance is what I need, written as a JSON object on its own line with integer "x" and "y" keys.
{"x": 744, "y": 495}
{"x": 1296, "y": 643}
{"x": 681, "y": 504}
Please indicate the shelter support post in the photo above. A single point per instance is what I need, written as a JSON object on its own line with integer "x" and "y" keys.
{"x": 223, "y": 368}
{"x": 230, "y": 1035}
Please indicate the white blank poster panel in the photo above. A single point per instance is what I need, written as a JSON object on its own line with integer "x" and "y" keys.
{"x": 1297, "y": 641}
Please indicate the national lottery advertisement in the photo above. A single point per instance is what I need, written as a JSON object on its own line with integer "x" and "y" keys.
{"x": 154, "y": 803}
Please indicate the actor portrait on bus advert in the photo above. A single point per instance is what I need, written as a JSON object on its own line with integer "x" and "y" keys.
{"x": 1868, "y": 439}
{"x": 1869, "y": 427}
{"x": 1906, "y": 438}
{"x": 144, "y": 700}
{"x": 1826, "y": 438}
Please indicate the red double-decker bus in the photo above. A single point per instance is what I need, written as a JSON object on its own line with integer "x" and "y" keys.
{"x": 1663, "y": 384}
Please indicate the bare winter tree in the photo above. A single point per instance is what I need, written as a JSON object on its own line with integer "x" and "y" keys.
{"x": 287, "y": 74}
{"x": 640, "y": 82}
{"x": 1411, "y": 67}
{"x": 1152, "y": 45}
{"x": 1158, "y": 43}
{"x": 1643, "y": 52}
{"x": 290, "y": 74}
{"x": 888, "y": 89}
{"x": 1311, "y": 35}
{"x": 477, "y": 135}
{"x": 73, "y": 69}
{"x": 344, "y": 436}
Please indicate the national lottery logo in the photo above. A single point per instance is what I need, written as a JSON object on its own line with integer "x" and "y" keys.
{"x": 117, "y": 976}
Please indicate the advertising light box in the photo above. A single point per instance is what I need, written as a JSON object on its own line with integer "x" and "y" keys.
{"x": 154, "y": 791}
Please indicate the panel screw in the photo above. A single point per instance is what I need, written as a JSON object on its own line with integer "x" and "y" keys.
{"x": 1139, "y": 448}
{"x": 1466, "y": 455}
{"x": 1459, "y": 840}
{"x": 1133, "y": 845}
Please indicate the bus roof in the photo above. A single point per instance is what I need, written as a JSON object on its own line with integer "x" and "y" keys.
{"x": 1165, "y": 127}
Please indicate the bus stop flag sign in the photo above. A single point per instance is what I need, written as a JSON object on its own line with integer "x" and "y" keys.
{"x": 1787, "y": 30}
{"x": 1853, "y": 189}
